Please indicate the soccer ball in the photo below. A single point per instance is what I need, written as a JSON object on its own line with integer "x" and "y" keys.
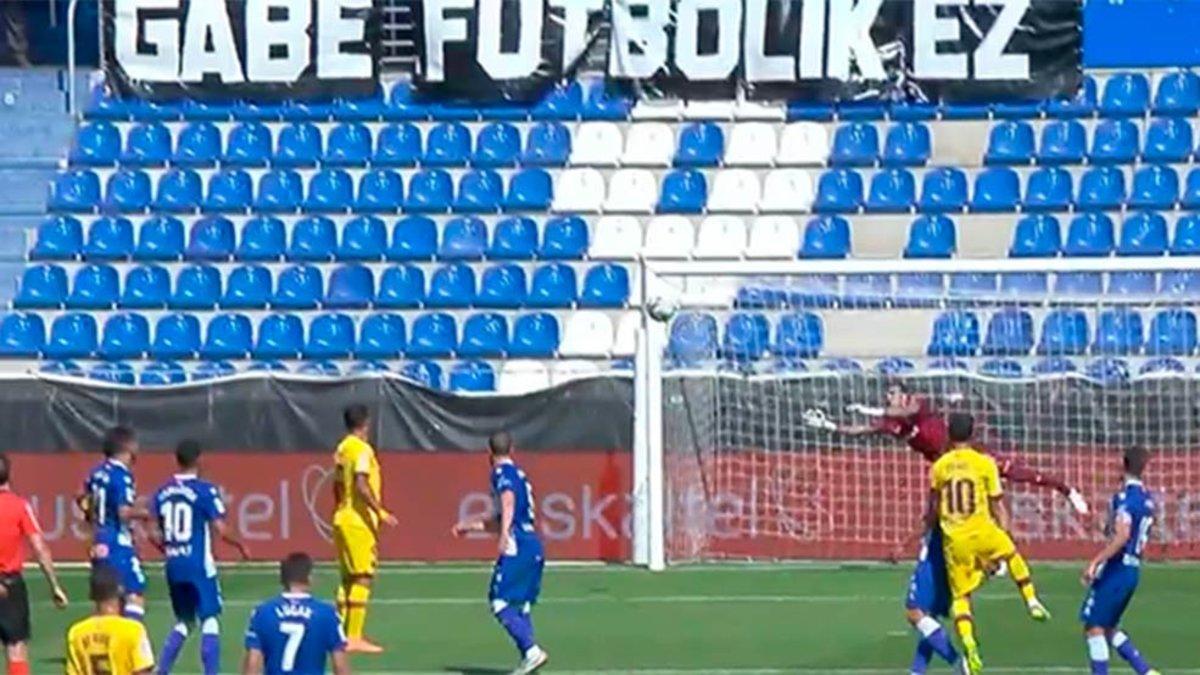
{"x": 662, "y": 309}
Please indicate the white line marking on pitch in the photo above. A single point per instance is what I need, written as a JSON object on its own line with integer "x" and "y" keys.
{"x": 1018, "y": 670}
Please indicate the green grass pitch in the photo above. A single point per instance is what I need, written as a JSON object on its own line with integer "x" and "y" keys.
{"x": 827, "y": 619}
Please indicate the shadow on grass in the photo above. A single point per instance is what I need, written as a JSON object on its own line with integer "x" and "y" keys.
{"x": 476, "y": 670}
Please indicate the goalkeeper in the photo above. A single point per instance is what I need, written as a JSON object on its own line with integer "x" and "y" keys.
{"x": 911, "y": 418}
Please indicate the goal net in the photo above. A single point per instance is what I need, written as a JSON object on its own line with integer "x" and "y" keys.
{"x": 1057, "y": 383}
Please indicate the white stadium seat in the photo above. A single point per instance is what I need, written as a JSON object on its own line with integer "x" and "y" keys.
{"x": 587, "y": 333}
{"x": 734, "y": 190}
{"x": 579, "y": 190}
{"x": 758, "y": 110}
{"x": 773, "y": 237}
{"x": 751, "y": 144}
{"x": 803, "y": 144}
{"x": 720, "y": 237}
{"x": 710, "y": 291}
{"x": 649, "y": 144}
{"x": 522, "y": 377}
{"x": 667, "y": 109}
{"x": 625, "y": 343}
{"x": 787, "y": 190}
{"x": 708, "y": 110}
{"x": 632, "y": 191}
{"x": 616, "y": 237}
{"x": 596, "y": 144}
{"x": 669, "y": 237}
{"x": 566, "y": 371}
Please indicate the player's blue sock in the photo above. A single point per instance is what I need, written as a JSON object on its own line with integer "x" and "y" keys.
{"x": 519, "y": 627}
{"x": 210, "y": 646}
{"x": 1098, "y": 653}
{"x": 935, "y": 636}
{"x": 921, "y": 658}
{"x": 171, "y": 648}
{"x": 1124, "y": 647}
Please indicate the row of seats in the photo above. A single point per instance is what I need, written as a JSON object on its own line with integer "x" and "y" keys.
{"x": 97, "y": 286}
{"x": 1168, "y": 139}
{"x": 312, "y": 238}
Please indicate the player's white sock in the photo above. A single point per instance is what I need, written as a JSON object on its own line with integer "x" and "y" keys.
{"x": 1098, "y": 648}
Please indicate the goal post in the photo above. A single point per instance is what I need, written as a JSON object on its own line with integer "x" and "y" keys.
{"x": 733, "y": 355}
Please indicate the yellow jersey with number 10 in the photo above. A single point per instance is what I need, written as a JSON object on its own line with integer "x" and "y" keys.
{"x": 108, "y": 645}
{"x": 355, "y": 456}
{"x": 965, "y": 479}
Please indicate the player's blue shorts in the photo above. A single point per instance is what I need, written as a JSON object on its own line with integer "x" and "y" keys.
{"x": 193, "y": 599}
{"x": 124, "y": 560}
{"x": 1108, "y": 597}
{"x": 928, "y": 588}
{"x": 517, "y": 579}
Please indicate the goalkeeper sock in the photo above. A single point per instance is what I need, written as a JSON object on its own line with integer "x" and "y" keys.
{"x": 356, "y": 609}
{"x": 519, "y": 627}
{"x": 1125, "y": 648}
{"x": 1022, "y": 577}
{"x": 964, "y": 623}
{"x": 921, "y": 658}
{"x": 1098, "y": 654}
{"x": 933, "y": 635}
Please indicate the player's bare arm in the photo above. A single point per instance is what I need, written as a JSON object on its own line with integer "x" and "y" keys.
{"x": 42, "y": 553}
{"x": 1000, "y": 512}
{"x": 1122, "y": 531}
{"x": 341, "y": 663}
{"x": 252, "y": 662}
{"x": 225, "y": 533}
{"x": 364, "y": 492}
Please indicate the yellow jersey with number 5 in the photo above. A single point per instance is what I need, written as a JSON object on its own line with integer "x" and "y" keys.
{"x": 355, "y": 456}
{"x": 965, "y": 480}
{"x": 108, "y": 645}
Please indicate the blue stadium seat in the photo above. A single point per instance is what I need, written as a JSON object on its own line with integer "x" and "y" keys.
{"x": 514, "y": 238}
{"x": 826, "y": 237}
{"x": 125, "y": 336}
{"x": 746, "y": 338}
{"x": 484, "y": 335}
{"x": 479, "y": 191}
{"x": 866, "y": 290}
{"x": 1181, "y": 284}
{"x": 212, "y": 370}
{"x": 247, "y": 287}
{"x": 943, "y": 190}
{"x": 565, "y": 238}
{"x": 529, "y": 189}
{"x": 401, "y": 286}
{"x": 227, "y": 336}
{"x": 414, "y": 238}
{"x": 973, "y": 287}
{"x": 907, "y": 144}
{"x": 160, "y": 374}
{"x": 279, "y": 191}
{"x": 229, "y": 191}
{"x": 72, "y": 336}
{"x": 330, "y": 336}
{"x": 1163, "y": 364}
{"x": 298, "y": 287}
{"x": 263, "y": 239}
{"x": 379, "y": 191}
{"x": 1114, "y": 142}
{"x": 329, "y": 191}
{"x": 1154, "y": 187}
{"x": 1010, "y": 143}
{"x": 398, "y": 145}
{"x": 799, "y": 335}
{"x": 553, "y": 285}
{"x": 498, "y": 145}
{"x": 472, "y": 376}
{"x": 451, "y": 111}
{"x": 176, "y": 336}
{"x": 464, "y": 238}
{"x": 96, "y": 144}
{"x": 452, "y": 286}
{"x": 1009, "y": 333}
{"x": 363, "y": 238}
{"x": 502, "y": 286}
{"x": 147, "y": 144}
{"x": 693, "y": 339}
{"x": 548, "y": 144}
{"x": 1143, "y": 284}
{"x": 1125, "y": 95}
{"x": 298, "y": 144}
{"x": 1064, "y": 333}
{"x": 1178, "y": 94}
{"x": 702, "y": 144}
{"x": 1078, "y": 284}
{"x": 350, "y": 287}
{"x": 1101, "y": 188}
{"x": 211, "y": 238}
{"x": 112, "y": 373}
{"x": 361, "y": 108}
{"x": 401, "y": 104}
{"x": 1024, "y": 286}
{"x": 199, "y": 144}
{"x": 1173, "y": 332}
{"x": 1118, "y": 331}
{"x": 349, "y": 144}
{"x": 1143, "y": 233}
{"x": 433, "y": 335}
{"x": 381, "y": 336}
{"x": 58, "y": 238}
{"x": 1187, "y": 235}
{"x": 280, "y": 336}
{"x": 1191, "y": 191}
{"x": 314, "y": 239}
{"x": 563, "y": 102}
{"x": 1108, "y": 371}
{"x": 42, "y": 286}
{"x": 94, "y": 287}
{"x": 203, "y": 110}
{"x": 855, "y": 144}
{"x": 179, "y": 191}
{"x": 429, "y": 191}
{"x": 448, "y": 144}
{"x": 1168, "y": 139}
{"x": 146, "y": 287}
{"x": 109, "y": 238}
{"x": 839, "y": 191}
{"x": 931, "y": 237}
{"x": 919, "y": 290}
{"x": 605, "y": 285}
{"x": 892, "y": 190}
{"x": 684, "y": 191}
{"x": 955, "y": 333}
{"x": 996, "y": 189}
{"x": 1089, "y": 235}
{"x": 249, "y": 144}
{"x": 127, "y": 191}
{"x": 197, "y": 287}
{"x": 601, "y": 103}
{"x": 425, "y": 373}
{"x": 1049, "y": 189}
{"x": 75, "y": 190}
{"x": 534, "y": 336}
{"x": 894, "y": 365}
{"x": 1063, "y": 142}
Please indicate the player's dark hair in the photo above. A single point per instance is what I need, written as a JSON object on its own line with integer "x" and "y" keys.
{"x": 898, "y": 384}
{"x": 104, "y": 584}
{"x": 961, "y": 427}
{"x": 115, "y": 440}
{"x": 5, "y": 468}
{"x": 355, "y": 416}
{"x": 296, "y": 568}
{"x": 1136, "y": 459}
{"x": 500, "y": 443}
{"x": 187, "y": 453}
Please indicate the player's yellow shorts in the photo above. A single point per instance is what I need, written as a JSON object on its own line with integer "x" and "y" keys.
{"x": 970, "y": 555}
{"x": 357, "y": 550}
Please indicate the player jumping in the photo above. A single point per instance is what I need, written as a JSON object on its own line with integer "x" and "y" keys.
{"x": 517, "y": 576}
{"x": 187, "y": 507}
{"x": 966, "y": 501}
{"x": 1112, "y": 576}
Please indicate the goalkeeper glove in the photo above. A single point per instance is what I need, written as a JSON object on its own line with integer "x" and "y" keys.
{"x": 817, "y": 420}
